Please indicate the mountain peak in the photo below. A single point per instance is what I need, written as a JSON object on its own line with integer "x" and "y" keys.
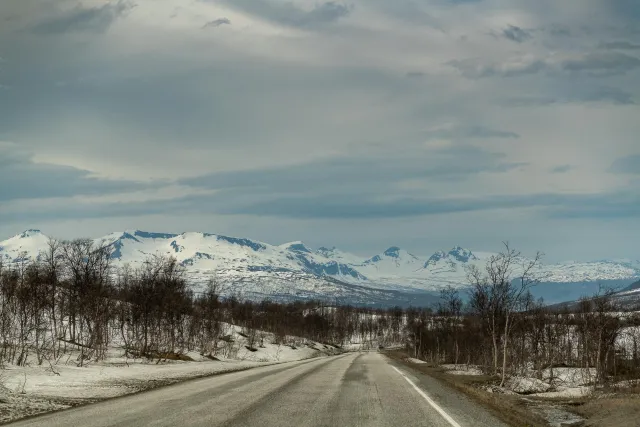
{"x": 134, "y": 234}
{"x": 393, "y": 252}
{"x": 297, "y": 247}
{"x": 327, "y": 252}
{"x": 30, "y": 233}
{"x": 462, "y": 254}
{"x": 435, "y": 258}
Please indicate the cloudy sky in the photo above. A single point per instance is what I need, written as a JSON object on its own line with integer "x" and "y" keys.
{"x": 360, "y": 124}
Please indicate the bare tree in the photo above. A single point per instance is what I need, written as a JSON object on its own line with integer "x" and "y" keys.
{"x": 500, "y": 292}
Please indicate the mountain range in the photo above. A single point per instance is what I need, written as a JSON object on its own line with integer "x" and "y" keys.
{"x": 255, "y": 269}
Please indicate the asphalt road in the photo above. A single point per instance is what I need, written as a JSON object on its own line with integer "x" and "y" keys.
{"x": 355, "y": 389}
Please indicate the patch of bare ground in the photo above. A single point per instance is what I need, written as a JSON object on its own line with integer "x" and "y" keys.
{"x": 509, "y": 408}
{"x": 19, "y": 406}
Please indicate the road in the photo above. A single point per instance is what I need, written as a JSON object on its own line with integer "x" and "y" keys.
{"x": 355, "y": 389}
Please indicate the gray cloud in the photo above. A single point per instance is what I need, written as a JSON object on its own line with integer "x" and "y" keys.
{"x": 96, "y": 19}
{"x": 628, "y": 10}
{"x": 516, "y": 34}
{"x": 325, "y": 128}
{"x": 217, "y": 23}
{"x": 622, "y": 45}
{"x": 561, "y": 169}
{"x": 290, "y": 15}
{"x": 607, "y": 206}
{"x": 614, "y": 204}
{"x": 576, "y": 92}
{"x": 408, "y": 11}
{"x": 370, "y": 175}
{"x": 602, "y": 63}
{"x": 626, "y": 165}
{"x": 614, "y": 95}
{"x": 466, "y": 132}
{"x": 22, "y": 178}
{"x": 594, "y": 64}
{"x": 597, "y": 206}
{"x": 299, "y": 206}
{"x": 475, "y": 68}
{"x": 558, "y": 30}
{"x": 458, "y": 2}
{"x": 352, "y": 207}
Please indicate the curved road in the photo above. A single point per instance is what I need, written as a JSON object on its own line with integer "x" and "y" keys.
{"x": 356, "y": 389}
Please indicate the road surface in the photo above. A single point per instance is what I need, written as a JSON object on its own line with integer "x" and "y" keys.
{"x": 355, "y": 389}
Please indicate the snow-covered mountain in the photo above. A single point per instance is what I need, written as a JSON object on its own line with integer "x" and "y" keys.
{"x": 258, "y": 269}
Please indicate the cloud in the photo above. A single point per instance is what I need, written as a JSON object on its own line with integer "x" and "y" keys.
{"x": 627, "y": 10}
{"x": 516, "y": 34}
{"x": 594, "y": 205}
{"x": 475, "y": 68}
{"x": 558, "y": 30}
{"x": 22, "y": 178}
{"x": 288, "y": 14}
{"x": 365, "y": 174}
{"x": 602, "y": 206}
{"x": 614, "y": 95}
{"x": 469, "y": 131}
{"x": 594, "y": 64}
{"x": 85, "y": 19}
{"x": 459, "y": 2}
{"x": 363, "y": 207}
{"x": 572, "y": 93}
{"x": 408, "y": 12}
{"x": 602, "y": 63}
{"x": 318, "y": 112}
{"x": 217, "y": 23}
{"x": 354, "y": 208}
{"x": 561, "y": 169}
{"x": 626, "y": 165}
{"x": 621, "y": 45}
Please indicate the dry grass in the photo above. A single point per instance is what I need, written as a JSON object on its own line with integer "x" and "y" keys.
{"x": 510, "y": 409}
{"x": 619, "y": 411}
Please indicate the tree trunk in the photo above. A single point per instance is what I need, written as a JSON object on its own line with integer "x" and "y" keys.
{"x": 504, "y": 350}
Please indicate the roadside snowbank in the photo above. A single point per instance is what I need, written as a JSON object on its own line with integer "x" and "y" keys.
{"x": 34, "y": 389}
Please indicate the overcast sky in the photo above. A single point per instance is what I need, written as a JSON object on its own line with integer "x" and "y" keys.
{"x": 361, "y": 124}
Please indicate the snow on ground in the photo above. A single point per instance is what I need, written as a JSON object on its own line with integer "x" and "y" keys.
{"x": 36, "y": 388}
{"x": 462, "y": 369}
{"x": 524, "y": 385}
{"x": 566, "y": 393}
{"x": 569, "y": 377}
{"x": 562, "y": 382}
{"x": 413, "y": 360}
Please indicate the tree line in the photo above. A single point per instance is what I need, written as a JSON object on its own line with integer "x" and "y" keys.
{"x": 72, "y": 298}
{"x": 506, "y": 332}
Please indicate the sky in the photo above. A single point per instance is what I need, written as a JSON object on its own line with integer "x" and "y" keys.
{"x": 360, "y": 124}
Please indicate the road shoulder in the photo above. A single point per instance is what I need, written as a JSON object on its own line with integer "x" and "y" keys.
{"x": 453, "y": 393}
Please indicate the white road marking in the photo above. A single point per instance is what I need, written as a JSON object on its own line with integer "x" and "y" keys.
{"x": 429, "y": 400}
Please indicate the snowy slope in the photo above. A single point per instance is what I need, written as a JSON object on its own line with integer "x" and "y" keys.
{"x": 27, "y": 244}
{"x": 256, "y": 269}
{"x": 392, "y": 262}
